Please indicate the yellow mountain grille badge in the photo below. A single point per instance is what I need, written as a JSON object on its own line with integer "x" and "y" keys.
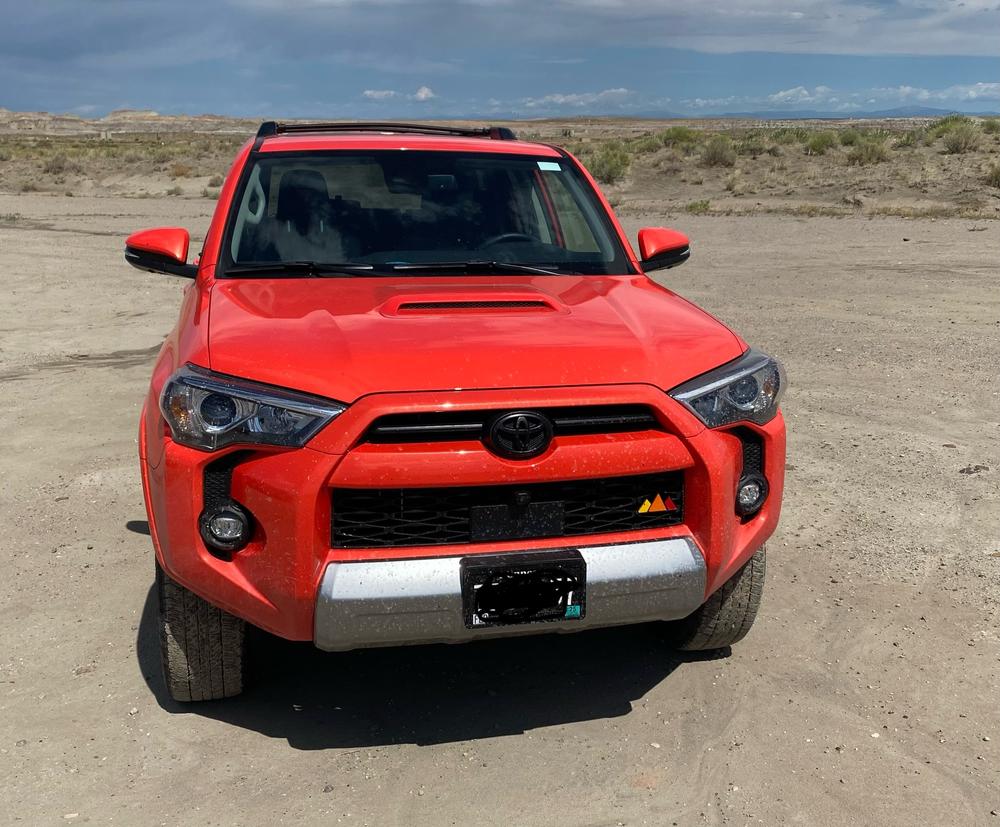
{"x": 658, "y": 504}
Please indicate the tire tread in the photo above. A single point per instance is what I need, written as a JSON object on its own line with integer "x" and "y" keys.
{"x": 202, "y": 647}
{"x": 727, "y": 615}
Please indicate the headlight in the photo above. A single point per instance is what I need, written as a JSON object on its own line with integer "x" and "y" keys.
{"x": 208, "y": 411}
{"x": 748, "y": 389}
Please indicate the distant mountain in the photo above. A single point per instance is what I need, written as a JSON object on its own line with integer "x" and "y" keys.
{"x": 816, "y": 114}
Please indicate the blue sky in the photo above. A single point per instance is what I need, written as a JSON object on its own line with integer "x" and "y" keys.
{"x": 528, "y": 58}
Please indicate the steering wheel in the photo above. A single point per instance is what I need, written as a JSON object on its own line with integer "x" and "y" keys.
{"x": 508, "y": 237}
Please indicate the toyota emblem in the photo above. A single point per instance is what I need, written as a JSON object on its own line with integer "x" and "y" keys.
{"x": 521, "y": 434}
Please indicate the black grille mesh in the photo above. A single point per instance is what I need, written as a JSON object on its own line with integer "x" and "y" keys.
{"x": 383, "y": 518}
{"x": 753, "y": 451}
{"x": 218, "y": 477}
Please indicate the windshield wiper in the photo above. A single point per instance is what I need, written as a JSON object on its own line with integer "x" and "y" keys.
{"x": 299, "y": 269}
{"x": 466, "y": 266}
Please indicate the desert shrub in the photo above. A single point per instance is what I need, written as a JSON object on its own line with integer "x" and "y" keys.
{"x": 678, "y": 135}
{"x": 29, "y": 186}
{"x": 991, "y": 126}
{"x": 992, "y": 177}
{"x": 752, "y": 145}
{"x": 948, "y": 123}
{"x": 718, "y": 152}
{"x": 4, "y": 155}
{"x": 790, "y": 135}
{"x": 698, "y": 207}
{"x": 215, "y": 181}
{"x": 644, "y": 144}
{"x": 610, "y": 163}
{"x": 867, "y": 153}
{"x": 59, "y": 164}
{"x": 850, "y": 137}
{"x": 181, "y": 170}
{"x": 735, "y": 183}
{"x": 961, "y": 139}
{"x": 175, "y": 190}
{"x": 207, "y": 193}
{"x": 911, "y": 138}
{"x": 877, "y": 133}
{"x": 820, "y": 142}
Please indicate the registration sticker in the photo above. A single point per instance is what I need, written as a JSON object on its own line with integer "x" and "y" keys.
{"x": 549, "y": 166}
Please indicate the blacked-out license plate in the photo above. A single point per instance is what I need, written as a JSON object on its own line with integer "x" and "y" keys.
{"x": 524, "y": 587}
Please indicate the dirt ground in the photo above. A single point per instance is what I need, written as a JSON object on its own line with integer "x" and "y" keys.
{"x": 866, "y": 693}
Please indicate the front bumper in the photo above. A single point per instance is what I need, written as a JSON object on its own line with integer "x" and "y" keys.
{"x": 396, "y": 602}
{"x": 274, "y": 583}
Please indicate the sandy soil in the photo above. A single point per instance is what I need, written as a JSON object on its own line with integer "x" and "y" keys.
{"x": 865, "y": 694}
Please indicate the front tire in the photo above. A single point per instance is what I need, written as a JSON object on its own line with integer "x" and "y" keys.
{"x": 726, "y": 617}
{"x": 202, "y": 648}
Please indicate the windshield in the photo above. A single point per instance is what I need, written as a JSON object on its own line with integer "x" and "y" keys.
{"x": 403, "y": 208}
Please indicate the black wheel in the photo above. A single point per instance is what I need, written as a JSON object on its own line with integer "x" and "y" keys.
{"x": 202, "y": 648}
{"x": 727, "y": 615}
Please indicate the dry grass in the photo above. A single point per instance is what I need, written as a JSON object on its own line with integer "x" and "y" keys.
{"x": 920, "y": 167}
{"x": 962, "y": 139}
{"x": 718, "y": 152}
{"x": 819, "y": 143}
{"x": 867, "y": 153}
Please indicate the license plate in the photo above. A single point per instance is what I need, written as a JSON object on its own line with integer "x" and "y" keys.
{"x": 518, "y": 588}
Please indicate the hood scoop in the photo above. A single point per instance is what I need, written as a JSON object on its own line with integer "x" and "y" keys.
{"x": 450, "y": 304}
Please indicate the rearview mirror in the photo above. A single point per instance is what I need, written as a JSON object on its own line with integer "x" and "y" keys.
{"x": 162, "y": 250}
{"x": 661, "y": 248}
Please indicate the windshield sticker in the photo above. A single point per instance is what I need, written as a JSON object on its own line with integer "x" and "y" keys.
{"x": 549, "y": 166}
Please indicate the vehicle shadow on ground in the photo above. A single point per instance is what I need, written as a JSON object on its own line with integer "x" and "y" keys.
{"x": 429, "y": 694}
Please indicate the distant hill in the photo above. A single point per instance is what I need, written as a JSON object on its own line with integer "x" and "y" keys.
{"x": 816, "y": 114}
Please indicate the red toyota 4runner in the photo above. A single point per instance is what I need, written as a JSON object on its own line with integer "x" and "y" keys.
{"x": 421, "y": 390}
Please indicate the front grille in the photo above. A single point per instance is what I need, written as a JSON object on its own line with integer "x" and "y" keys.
{"x": 472, "y": 425}
{"x": 393, "y": 517}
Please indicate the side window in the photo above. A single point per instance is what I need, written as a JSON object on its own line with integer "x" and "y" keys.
{"x": 541, "y": 219}
{"x": 577, "y": 234}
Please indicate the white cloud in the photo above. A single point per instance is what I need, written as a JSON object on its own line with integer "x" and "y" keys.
{"x": 424, "y": 93}
{"x": 848, "y": 100}
{"x": 798, "y": 94}
{"x": 580, "y": 99}
{"x": 380, "y": 94}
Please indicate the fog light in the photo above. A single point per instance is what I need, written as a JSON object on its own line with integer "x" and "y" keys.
{"x": 225, "y": 527}
{"x": 750, "y": 494}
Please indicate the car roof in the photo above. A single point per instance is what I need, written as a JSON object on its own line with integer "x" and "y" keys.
{"x": 345, "y": 140}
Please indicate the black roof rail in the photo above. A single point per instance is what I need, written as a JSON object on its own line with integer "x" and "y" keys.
{"x": 269, "y": 129}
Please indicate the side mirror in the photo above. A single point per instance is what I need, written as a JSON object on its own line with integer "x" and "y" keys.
{"x": 661, "y": 248}
{"x": 163, "y": 250}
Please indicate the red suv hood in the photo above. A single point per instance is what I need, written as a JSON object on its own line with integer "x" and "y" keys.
{"x": 344, "y": 338}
